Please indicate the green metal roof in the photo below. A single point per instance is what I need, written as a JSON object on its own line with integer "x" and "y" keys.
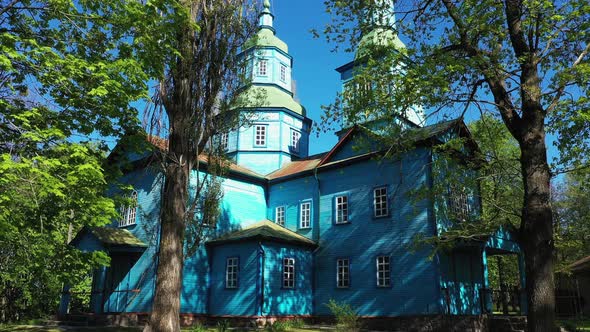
{"x": 116, "y": 236}
{"x": 265, "y": 230}
{"x": 379, "y": 37}
{"x": 265, "y": 37}
{"x": 268, "y": 96}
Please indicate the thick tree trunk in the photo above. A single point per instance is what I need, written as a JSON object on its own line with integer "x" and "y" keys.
{"x": 537, "y": 230}
{"x": 166, "y": 304}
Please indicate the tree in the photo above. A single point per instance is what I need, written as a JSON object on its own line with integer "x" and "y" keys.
{"x": 68, "y": 72}
{"x": 198, "y": 84}
{"x": 524, "y": 60}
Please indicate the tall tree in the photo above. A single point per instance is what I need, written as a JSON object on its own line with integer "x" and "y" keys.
{"x": 67, "y": 74}
{"x": 525, "y": 60}
{"x": 198, "y": 85}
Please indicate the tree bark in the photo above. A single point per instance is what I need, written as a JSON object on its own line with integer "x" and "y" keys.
{"x": 166, "y": 304}
{"x": 537, "y": 229}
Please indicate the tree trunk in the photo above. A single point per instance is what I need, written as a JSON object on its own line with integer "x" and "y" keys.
{"x": 166, "y": 304}
{"x": 537, "y": 230}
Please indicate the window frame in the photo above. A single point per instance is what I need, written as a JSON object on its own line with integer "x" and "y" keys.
{"x": 260, "y": 68}
{"x": 385, "y": 271}
{"x": 301, "y": 214}
{"x": 129, "y": 212}
{"x": 346, "y": 209}
{"x": 284, "y": 274}
{"x": 224, "y": 140}
{"x": 345, "y": 272}
{"x": 283, "y": 73}
{"x": 265, "y": 137}
{"x": 236, "y": 272}
{"x": 385, "y": 201}
{"x": 295, "y": 146}
{"x": 459, "y": 200}
{"x": 283, "y": 214}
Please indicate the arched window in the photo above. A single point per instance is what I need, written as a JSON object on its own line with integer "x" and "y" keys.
{"x": 129, "y": 211}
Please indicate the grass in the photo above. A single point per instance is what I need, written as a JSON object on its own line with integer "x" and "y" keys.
{"x": 576, "y": 325}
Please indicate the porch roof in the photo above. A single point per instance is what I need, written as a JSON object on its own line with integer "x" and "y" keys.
{"x": 109, "y": 237}
{"x": 264, "y": 230}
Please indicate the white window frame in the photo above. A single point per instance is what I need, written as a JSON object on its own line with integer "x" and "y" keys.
{"x": 341, "y": 209}
{"x": 383, "y": 275}
{"x": 295, "y": 140}
{"x": 262, "y": 67}
{"x": 459, "y": 204}
{"x": 283, "y": 73}
{"x": 232, "y": 268}
{"x": 305, "y": 215}
{"x": 223, "y": 141}
{"x": 280, "y": 215}
{"x": 129, "y": 211}
{"x": 288, "y": 273}
{"x": 343, "y": 273}
{"x": 260, "y": 135}
{"x": 380, "y": 202}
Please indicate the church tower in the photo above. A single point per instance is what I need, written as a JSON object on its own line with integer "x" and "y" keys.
{"x": 276, "y": 129}
{"x": 382, "y": 32}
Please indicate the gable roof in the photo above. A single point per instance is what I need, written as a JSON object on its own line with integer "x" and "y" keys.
{"x": 110, "y": 237}
{"x": 264, "y": 230}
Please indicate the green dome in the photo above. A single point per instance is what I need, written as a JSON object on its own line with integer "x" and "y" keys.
{"x": 256, "y": 96}
{"x": 265, "y": 37}
{"x": 376, "y": 38}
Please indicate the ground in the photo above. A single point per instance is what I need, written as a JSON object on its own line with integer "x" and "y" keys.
{"x": 39, "y": 328}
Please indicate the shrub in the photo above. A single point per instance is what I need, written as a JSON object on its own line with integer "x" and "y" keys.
{"x": 297, "y": 323}
{"x": 346, "y": 318}
{"x": 198, "y": 327}
{"x": 278, "y": 326}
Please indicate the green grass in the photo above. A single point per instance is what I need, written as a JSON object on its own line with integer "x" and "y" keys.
{"x": 36, "y": 328}
{"x": 577, "y": 325}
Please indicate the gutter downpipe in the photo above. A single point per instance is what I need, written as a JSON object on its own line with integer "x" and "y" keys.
{"x": 260, "y": 283}
{"x": 317, "y": 239}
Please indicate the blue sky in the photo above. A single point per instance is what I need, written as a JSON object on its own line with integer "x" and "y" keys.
{"x": 313, "y": 63}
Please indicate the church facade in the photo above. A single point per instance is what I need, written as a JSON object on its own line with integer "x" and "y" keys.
{"x": 298, "y": 230}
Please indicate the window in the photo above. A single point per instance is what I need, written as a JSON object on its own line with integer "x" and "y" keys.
{"x": 295, "y": 137}
{"x": 260, "y": 135}
{"x": 283, "y": 73}
{"x": 288, "y": 272}
{"x": 129, "y": 211}
{"x": 341, "y": 209}
{"x": 383, "y": 271}
{"x": 262, "y": 67}
{"x": 343, "y": 273}
{"x": 459, "y": 204}
{"x": 280, "y": 215}
{"x": 223, "y": 141}
{"x": 231, "y": 272}
{"x": 381, "y": 208}
{"x": 305, "y": 215}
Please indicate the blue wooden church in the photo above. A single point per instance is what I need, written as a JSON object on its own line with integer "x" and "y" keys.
{"x": 297, "y": 230}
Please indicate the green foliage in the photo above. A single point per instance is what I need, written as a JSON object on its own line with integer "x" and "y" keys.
{"x": 571, "y": 203}
{"x": 297, "y": 323}
{"x": 278, "y": 326}
{"x": 346, "y": 317}
{"x": 198, "y": 327}
{"x": 222, "y": 325}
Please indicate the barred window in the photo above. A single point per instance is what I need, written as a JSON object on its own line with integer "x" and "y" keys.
{"x": 280, "y": 215}
{"x": 231, "y": 272}
{"x": 380, "y": 205}
{"x": 341, "y": 209}
{"x": 129, "y": 211}
{"x": 343, "y": 273}
{"x": 383, "y": 271}
{"x": 288, "y": 272}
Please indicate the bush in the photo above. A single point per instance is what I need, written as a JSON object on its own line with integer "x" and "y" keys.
{"x": 278, "y": 326}
{"x": 198, "y": 327}
{"x": 297, "y": 323}
{"x": 346, "y": 318}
